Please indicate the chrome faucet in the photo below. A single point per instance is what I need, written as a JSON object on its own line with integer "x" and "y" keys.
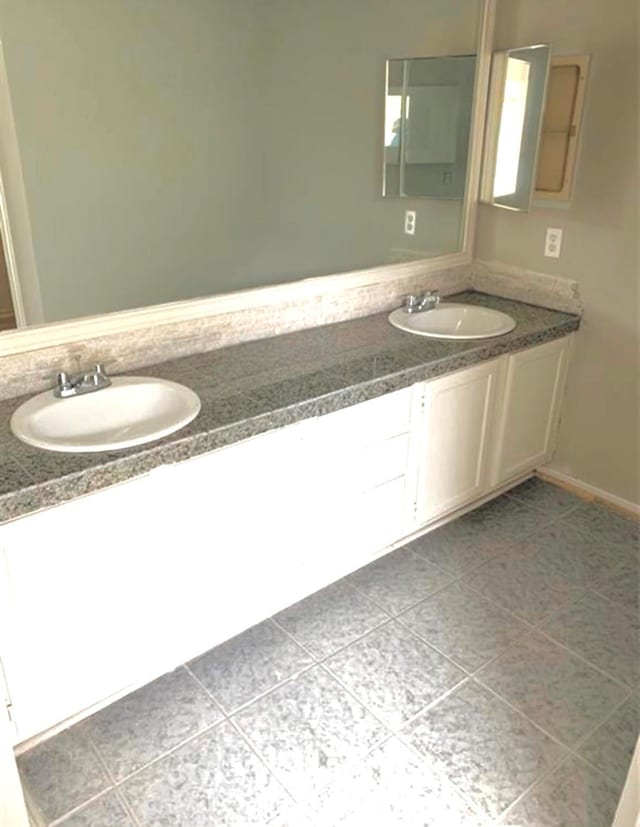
{"x": 85, "y": 383}
{"x": 416, "y": 304}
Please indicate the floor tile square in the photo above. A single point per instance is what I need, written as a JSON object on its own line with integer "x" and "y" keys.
{"x": 62, "y": 773}
{"x": 605, "y": 633}
{"x": 213, "y": 779}
{"x": 524, "y": 586}
{"x": 392, "y": 787}
{"x": 241, "y": 669}
{"x": 608, "y": 524}
{"x": 554, "y": 688}
{"x": 147, "y": 723}
{"x": 549, "y": 499}
{"x": 490, "y": 752}
{"x": 331, "y": 618}
{"x": 398, "y": 580}
{"x": 464, "y": 625}
{"x": 106, "y": 811}
{"x": 308, "y": 729}
{"x": 574, "y": 795}
{"x": 622, "y": 585}
{"x": 611, "y": 746}
{"x": 393, "y": 673}
{"x": 469, "y": 541}
{"x": 583, "y": 558}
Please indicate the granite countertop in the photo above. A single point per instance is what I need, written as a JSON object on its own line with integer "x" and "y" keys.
{"x": 257, "y": 386}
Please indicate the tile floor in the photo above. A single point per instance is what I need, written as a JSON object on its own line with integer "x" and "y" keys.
{"x": 485, "y": 674}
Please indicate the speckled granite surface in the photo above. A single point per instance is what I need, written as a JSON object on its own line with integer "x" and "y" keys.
{"x": 257, "y": 386}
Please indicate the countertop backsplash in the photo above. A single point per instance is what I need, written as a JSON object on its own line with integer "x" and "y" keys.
{"x": 35, "y": 370}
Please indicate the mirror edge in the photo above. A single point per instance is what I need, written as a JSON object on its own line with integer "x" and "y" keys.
{"x": 51, "y": 334}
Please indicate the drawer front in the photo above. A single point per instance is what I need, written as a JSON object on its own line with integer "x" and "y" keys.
{"x": 348, "y": 472}
{"x": 367, "y": 423}
{"x": 379, "y": 519}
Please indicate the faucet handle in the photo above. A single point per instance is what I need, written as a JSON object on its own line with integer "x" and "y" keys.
{"x": 410, "y": 303}
{"x": 64, "y": 385}
{"x": 99, "y": 378}
{"x": 64, "y": 381}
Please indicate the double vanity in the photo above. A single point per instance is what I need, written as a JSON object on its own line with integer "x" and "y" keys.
{"x": 313, "y": 453}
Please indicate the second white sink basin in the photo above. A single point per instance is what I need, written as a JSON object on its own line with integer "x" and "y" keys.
{"x": 454, "y": 321}
{"x": 132, "y": 411}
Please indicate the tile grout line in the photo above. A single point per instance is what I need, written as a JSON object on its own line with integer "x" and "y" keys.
{"x": 114, "y": 788}
{"x": 569, "y": 750}
{"x": 541, "y": 629}
{"x": 579, "y": 741}
{"x": 165, "y": 754}
{"x": 572, "y": 754}
{"x": 275, "y": 775}
{"x": 229, "y": 719}
{"x": 61, "y": 819}
{"x": 555, "y": 765}
{"x": 396, "y": 731}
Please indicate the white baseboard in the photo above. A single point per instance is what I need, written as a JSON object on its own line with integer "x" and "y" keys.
{"x": 590, "y": 492}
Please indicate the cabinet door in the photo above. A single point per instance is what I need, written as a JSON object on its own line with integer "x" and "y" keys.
{"x": 530, "y": 408}
{"x": 241, "y": 517}
{"x": 83, "y": 602}
{"x": 454, "y": 432}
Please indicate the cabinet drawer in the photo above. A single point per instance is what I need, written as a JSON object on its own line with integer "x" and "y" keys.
{"x": 380, "y": 516}
{"x": 374, "y": 421}
{"x": 355, "y": 471}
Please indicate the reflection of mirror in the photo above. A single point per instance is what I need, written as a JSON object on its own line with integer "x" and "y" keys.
{"x": 427, "y": 125}
{"x": 514, "y": 120}
{"x": 174, "y": 150}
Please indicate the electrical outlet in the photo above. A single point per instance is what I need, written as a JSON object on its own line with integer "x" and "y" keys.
{"x": 410, "y": 222}
{"x": 553, "y": 242}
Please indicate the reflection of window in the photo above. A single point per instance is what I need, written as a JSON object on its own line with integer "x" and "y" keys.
{"x": 511, "y": 127}
{"x": 392, "y": 120}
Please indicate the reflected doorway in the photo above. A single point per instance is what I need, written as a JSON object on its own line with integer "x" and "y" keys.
{"x": 7, "y": 312}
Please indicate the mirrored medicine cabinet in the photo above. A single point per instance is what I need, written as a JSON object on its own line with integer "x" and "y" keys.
{"x": 532, "y": 127}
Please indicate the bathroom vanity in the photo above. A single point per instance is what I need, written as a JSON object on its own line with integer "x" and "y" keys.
{"x": 261, "y": 500}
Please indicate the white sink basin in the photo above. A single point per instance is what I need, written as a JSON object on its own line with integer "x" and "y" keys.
{"x": 133, "y": 410}
{"x": 454, "y": 321}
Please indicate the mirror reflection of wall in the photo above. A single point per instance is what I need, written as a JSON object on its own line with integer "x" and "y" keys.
{"x": 175, "y": 150}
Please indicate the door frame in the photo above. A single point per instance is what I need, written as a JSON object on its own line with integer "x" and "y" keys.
{"x": 17, "y": 240}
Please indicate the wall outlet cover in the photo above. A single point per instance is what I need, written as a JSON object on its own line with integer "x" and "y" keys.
{"x": 553, "y": 242}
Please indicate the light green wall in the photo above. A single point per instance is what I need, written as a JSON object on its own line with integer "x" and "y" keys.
{"x": 599, "y": 437}
{"x": 325, "y": 99}
{"x": 134, "y": 179}
{"x": 176, "y": 148}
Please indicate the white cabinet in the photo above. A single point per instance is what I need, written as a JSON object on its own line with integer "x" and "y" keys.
{"x": 362, "y": 495}
{"x": 455, "y": 440}
{"x": 240, "y": 518}
{"x": 83, "y": 609}
{"x": 115, "y": 588}
{"x": 530, "y": 409}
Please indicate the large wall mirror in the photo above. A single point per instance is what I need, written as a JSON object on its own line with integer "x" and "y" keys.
{"x": 180, "y": 149}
